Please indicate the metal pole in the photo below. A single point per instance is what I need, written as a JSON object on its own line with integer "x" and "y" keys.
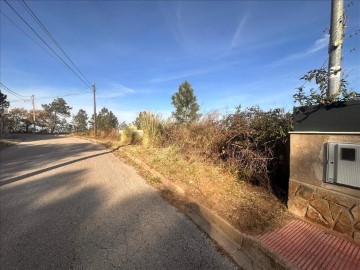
{"x": 336, "y": 40}
{"x": 33, "y": 105}
{"x": 95, "y": 129}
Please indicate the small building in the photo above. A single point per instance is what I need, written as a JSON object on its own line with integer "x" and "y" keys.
{"x": 324, "y": 185}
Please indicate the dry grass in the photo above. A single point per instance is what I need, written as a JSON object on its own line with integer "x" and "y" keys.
{"x": 249, "y": 208}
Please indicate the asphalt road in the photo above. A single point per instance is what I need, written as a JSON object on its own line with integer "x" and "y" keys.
{"x": 66, "y": 203}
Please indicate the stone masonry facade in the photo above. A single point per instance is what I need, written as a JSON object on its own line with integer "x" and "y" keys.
{"x": 330, "y": 209}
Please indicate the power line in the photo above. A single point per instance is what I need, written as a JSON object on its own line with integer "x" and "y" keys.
{"x": 66, "y": 95}
{"x": 59, "y": 96}
{"x": 7, "y": 89}
{"x": 51, "y": 37}
{"x": 46, "y": 43}
{"x": 14, "y": 94}
{"x": 23, "y": 98}
{"x": 18, "y": 100}
{"x": 22, "y": 30}
{"x": 52, "y": 97}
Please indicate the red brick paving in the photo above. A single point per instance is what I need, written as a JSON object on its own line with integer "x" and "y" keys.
{"x": 309, "y": 247}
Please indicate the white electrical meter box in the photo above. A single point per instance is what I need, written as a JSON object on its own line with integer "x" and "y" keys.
{"x": 343, "y": 164}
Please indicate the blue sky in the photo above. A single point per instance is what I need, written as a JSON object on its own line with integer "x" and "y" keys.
{"x": 138, "y": 52}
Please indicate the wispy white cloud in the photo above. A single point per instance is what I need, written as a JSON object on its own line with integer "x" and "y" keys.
{"x": 181, "y": 31}
{"x": 236, "y": 39}
{"x": 190, "y": 73}
{"x": 318, "y": 45}
{"x": 173, "y": 16}
{"x": 115, "y": 90}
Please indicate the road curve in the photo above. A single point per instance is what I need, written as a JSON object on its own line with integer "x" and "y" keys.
{"x": 66, "y": 203}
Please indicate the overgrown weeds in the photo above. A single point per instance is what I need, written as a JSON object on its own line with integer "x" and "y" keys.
{"x": 252, "y": 143}
{"x": 231, "y": 163}
{"x": 152, "y": 127}
{"x": 249, "y": 208}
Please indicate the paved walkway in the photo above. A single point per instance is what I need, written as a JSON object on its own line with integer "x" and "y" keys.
{"x": 308, "y": 247}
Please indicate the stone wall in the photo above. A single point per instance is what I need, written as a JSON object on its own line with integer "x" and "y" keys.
{"x": 332, "y": 206}
{"x": 330, "y": 209}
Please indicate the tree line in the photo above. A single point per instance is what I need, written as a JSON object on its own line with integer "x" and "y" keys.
{"x": 55, "y": 117}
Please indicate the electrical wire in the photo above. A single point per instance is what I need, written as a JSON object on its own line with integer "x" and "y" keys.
{"x": 30, "y": 37}
{"x": 22, "y": 98}
{"x": 51, "y": 37}
{"x": 17, "y": 100}
{"x": 32, "y": 29}
{"x": 7, "y": 89}
{"x": 53, "y": 97}
{"x": 66, "y": 95}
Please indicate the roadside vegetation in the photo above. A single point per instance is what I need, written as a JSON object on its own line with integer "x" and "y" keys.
{"x": 236, "y": 164}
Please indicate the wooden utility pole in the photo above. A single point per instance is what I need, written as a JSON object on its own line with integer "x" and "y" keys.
{"x": 335, "y": 45}
{"x": 33, "y": 105}
{"x": 95, "y": 131}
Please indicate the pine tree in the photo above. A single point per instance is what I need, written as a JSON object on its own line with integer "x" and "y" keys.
{"x": 184, "y": 101}
{"x": 105, "y": 120}
{"x": 80, "y": 121}
{"x": 4, "y": 103}
{"x": 55, "y": 109}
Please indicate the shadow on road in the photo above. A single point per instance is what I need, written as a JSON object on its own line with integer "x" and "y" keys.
{"x": 64, "y": 222}
{"x": 29, "y": 156}
{"x": 21, "y": 177}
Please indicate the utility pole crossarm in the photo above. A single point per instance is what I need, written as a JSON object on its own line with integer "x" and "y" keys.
{"x": 335, "y": 45}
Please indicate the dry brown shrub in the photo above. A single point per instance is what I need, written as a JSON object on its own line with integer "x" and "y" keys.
{"x": 112, "y": 134}
{"x": 251, "y": 142}
{"x": 130, "y": 136}
{"x": 200, "y": 138}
